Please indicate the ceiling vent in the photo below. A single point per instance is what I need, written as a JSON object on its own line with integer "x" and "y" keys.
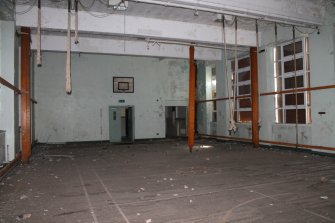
{"x": 118, "y": 5}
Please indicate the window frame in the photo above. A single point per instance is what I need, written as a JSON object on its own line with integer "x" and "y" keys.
{"x": 305, "y": 73}
{"x": 239, "y": 84}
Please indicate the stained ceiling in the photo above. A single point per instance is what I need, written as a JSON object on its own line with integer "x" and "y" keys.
{"x": 100, "y": 8}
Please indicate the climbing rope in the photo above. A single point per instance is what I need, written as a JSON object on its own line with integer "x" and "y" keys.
{"x": 68, "y": 51}
{"x": 258, "y": 69}
{"x": 76, "y": 37}
{"x": 232, "y": 126}
{"x": 38, "y": 35}
{"x": 232, "y": 123}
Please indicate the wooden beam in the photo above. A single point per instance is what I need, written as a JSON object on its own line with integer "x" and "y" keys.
{"x": 25, "y": 98}
{"x": 293, "y": 145}
{"x": 254, "y": 96}
{"x": 263, "y": 142}
{"x": 227, "y": 138}
{"x": 224, "y": 99}
{"x": 299, "y": 90}
{"x": 9, "y": 85}
{"x": 10, "y": 165}
{"x": 191, "y": 104}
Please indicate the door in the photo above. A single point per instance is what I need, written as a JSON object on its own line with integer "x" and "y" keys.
{"x": 129, "y": 124}
{"x": 115, "y": 124}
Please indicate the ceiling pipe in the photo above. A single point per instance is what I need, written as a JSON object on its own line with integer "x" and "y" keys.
{"x": 194, "y": 44}
{"x": 267, "y": 17}
{"x": 148, "y": 39}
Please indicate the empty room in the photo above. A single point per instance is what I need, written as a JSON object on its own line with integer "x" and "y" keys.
{"x": 176, "y": 111}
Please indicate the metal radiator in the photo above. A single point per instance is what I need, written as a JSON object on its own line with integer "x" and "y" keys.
{"x": 2, "y": 147}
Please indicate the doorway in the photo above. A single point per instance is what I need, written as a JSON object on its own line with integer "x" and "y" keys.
{"x": 121, "y": 119}
{"x": 176, "y": 121}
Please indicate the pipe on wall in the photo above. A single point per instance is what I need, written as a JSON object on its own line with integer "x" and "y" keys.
{"x": 191, "y": 104}
{"x": 25, "y": 98}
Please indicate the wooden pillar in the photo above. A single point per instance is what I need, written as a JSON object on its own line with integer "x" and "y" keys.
{"x": 191, "y": 104}
{"x": 254, "y": 96}
{"x": 25, "y": 97}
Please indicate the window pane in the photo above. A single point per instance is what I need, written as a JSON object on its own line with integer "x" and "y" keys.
{"x": 233, "y": 65}
{"x": 289, "y": 49}
{"x": 279, "y": 101}
{"x": 278, "y": 82}
{"x": 245, "y": 89}
{"x": 289, "y": 82}
{"x": 245, "y": 103}
{"x": 245, "y": 116}
{"x": 214, "y": 117}
{"x": 291, "y": 116}
{"x": 278, "y": 69}
{"x": 244, "y": 76}
{"x": 278, "y": 50}
{"x": 244, "y": 63}
{"x": 214, "y": 105}
{"x": 289, "y": 65}
{"x": 290, "y": 99}
{"x": 279, "y": 115}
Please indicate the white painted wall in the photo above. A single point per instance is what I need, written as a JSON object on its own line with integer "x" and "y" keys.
{"x": 136, "y": 26}
{"x": 61, "y": 118}
{"x": 321, "y": 131}
{"x": 299, "y": 10}
{"x": 8, "y": 100}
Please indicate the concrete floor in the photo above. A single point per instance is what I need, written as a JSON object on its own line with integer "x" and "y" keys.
{"x": 163, "y": 182}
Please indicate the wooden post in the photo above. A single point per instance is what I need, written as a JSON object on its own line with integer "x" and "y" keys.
{"x": 25, "y": 97}
{"x": 254, "y": 96}
{"x": 191, "y": 104}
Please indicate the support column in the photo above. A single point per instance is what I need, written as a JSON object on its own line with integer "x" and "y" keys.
{"x": 25, "y": 97}
{"x": 254, "y": 96}
{"x": 191, "y": 104}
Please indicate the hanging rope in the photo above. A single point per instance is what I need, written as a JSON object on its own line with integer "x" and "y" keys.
{"x": 257, "y": 47}
{"x": 68, "y": 51}
{"x": 38, "y": 35}
{"x": 228, "y": 77}
{"x": 76, "y": 37}
{"x": 232, "y": 124}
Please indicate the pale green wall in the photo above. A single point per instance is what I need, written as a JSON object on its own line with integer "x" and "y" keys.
{"x": 60, "y": 117}
{"x": 322, "y": 131}
{"x": 8, "y": 100}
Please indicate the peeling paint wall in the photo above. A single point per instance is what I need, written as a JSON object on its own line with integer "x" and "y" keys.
{"x": 205, "y": 124}
{"x": 8, "y": 100}
{"x": 76, "y": 117}
{"x": 321, "y": 131}
{"x": 201, "y": 95}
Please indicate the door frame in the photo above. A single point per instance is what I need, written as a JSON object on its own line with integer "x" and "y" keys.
{"x": 132, "y": 119}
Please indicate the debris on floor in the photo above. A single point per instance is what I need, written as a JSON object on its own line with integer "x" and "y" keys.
{"x": 324, "y": 197}
{"x": 23, "y": 197}
{"x": 23, "y": 216}
{"x": 323, "y": 179}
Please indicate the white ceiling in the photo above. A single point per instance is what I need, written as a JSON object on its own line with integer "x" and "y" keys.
{"x": 96, "y": 7}
{"x": 134, "y": 9}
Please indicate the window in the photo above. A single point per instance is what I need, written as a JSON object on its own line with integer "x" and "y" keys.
{"x": 243, "y": 111}
{"x": 289, "y": 106}
{"x": 213, "y": 83}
